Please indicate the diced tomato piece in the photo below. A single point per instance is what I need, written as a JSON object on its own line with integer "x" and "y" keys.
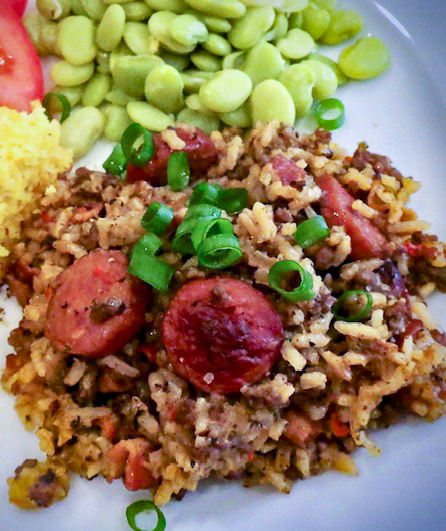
{"x": 21, "y": 76}
{"x": 18, "y": 6}
{"x": 337, "y": 427}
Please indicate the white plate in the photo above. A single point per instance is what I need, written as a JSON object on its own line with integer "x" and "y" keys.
{"x": 402, "y": 114}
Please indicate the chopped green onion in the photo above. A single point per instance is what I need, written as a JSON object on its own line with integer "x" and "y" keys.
{"x": 182, "y": 243}
{"x": 206, "y": 227}
{"x": 205, "y": 193}
{"x": 138, "y": 507}
{"x": 178, "y": 171}
{"x": 233, "y": 200}
{"x": 220, "y": 251}
{"x": 157, "y": 218}
{"x": 311, "y": 231}
{"x": 202, "y": 211}
{"x": 330, "y": 113}
{"x": 353, "y": 299}
{"x": 304, "y": 290}
{"x": 48, "y": 102}
{"x": 151, "y": 270}
{"x": 148, "y": 244}
{"x": 116, "y": 164}
{"x": 136, "y": 134}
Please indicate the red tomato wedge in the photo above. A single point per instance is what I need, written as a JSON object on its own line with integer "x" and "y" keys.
{"x": 18, "y": 6}
{"x": 21, "y": 76}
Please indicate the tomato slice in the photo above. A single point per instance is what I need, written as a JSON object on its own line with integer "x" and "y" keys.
{"x": 21, "y": 76}
{"x": 18, "y": 6}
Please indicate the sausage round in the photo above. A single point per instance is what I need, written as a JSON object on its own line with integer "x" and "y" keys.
{"x": 96, "y": 306}
{"x": 221, "y": 333}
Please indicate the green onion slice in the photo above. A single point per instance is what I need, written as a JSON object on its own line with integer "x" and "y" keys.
{"x": 206, "y": 227}
{"x": 178, "y": 171}
{"x": 202, "y": 211}
{"x": 182, "y": 243}
{"x": 157, "y": 218}
{"x": 137, "y": 145}
{"x": 220, "y": 251}
{"x": 149, "y": 244}
{"x": 140, "y": 506}
{"x": 151, "y": 270}
{"x": 330, "y": 113}
{"x": 116, "y": 164}
{"x": 311, "y": 231}
{"x": 349, "y": 301}
{"x": 48, "y": 102}
{"x": 233, "y": 200}
{"x": 205, "y": 193}
{"x": 276, "y": 279}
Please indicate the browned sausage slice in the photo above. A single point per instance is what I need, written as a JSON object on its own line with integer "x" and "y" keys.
{"x": 96, "y": 305}
{"x": 221, "y": 333}
{"x": 336, "y": 207}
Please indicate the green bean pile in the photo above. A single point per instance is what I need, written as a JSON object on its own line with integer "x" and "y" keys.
{"x": 200, "y": 62}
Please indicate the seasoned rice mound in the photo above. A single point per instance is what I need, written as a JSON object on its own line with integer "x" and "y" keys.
{"x": 129, "y": 415}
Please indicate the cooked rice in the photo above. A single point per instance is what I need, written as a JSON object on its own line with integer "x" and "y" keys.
{"x": 332, "y": 383}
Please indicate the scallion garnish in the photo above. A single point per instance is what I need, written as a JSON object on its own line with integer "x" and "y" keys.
{"x": 233, "y": 200}
{"x": 206, "y": 193}
{"x": 116, "y": 164}
{"x": 206, "y": 227}
{"x": 220, "y": 251}
{"x": 277, "y": 281}
{"x": 157, "y": 218}
{"x": 148, "y": 244}
{"x": 202, "y": 211}
{"x": 137, "y": 145}
{"x": 178, "y": 171}
{"x": 311, "y": 231}
{"x": 330, "y": 113}
{"x": 151, "y": 270}
{"x": 182, "y": 243}
{"x": 48, "y": 102}
{"x": 349, "y": 301}
{"x": 140, "y": 506}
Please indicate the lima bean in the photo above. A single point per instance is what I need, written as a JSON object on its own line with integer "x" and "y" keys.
{"x": 270, "y": 100}
{"x": 48, "y": 38}
{"x": 73, "y": 94}
{"x": 299, "y": 81}
{"x": 81, "y": 130}
{"x": 188, "y": 30}
{"x": 137, "y": 37}
{"x": 164, "y": 88}
{"x": 343, "y": 25}
{"x": 295, "y": 20}
{"x": 234, "y": 60}
{"x": 216, "y": 24}
{"x": 159, "y": 27}
{"x": 67, "y": 75}
{"x": 76, "y": 40}
{"x": 96, "y": 90}
{"x": 193, "y": 102}
{"x": 249, "y": 29}
{"x": 149, "y": 116}
{"x": 291, "y": 6}
{"x": 279, "y": 29}
{"x": 206, "y": 61}
{"x": 326, "y": 82}
{"x": 116, "y": 122}
{"x": 137, "y": 11}
{"x": 178, "y": 61}
{"x": 219, "y": 8}
{"x": 77, "y": 8}
{"x": 111, "y": 28}
{"x": 94, "y": 8}
{"x": 263, "y": 61}
{"x": 33, "y": 22}
{"x": 53, "y": 9}
{"x": 194, "y": 79}
{"x": 329, "y": 5}
{"x": 296, "y": 44}
{"x": 177, "y": 6}
{"x": 130, "y": 71}
{"x": 118, "y": 97}
{"x": 315, "y": 21}
{"x": 103, "y": 62}
{"x": 217, "y": 45}
{"x": 368, "y": 57}
{"x": 241, "y": 117}
{"x": 226, "y": 91}
{"x": 342, "y": 78}
{"x": 206, "y": 122}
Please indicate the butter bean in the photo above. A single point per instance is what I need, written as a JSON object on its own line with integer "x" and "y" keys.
{"x": 149, "y": 116}
{"x": 81, "y": 130}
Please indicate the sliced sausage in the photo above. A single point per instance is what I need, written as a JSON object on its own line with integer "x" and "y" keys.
{"x": 96, "y": 306}
{"x": 336, "y": 207}
{"x": 221, "y": 333}
{"x": 287, "y": 170}
{"x": 200, "y": 148}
